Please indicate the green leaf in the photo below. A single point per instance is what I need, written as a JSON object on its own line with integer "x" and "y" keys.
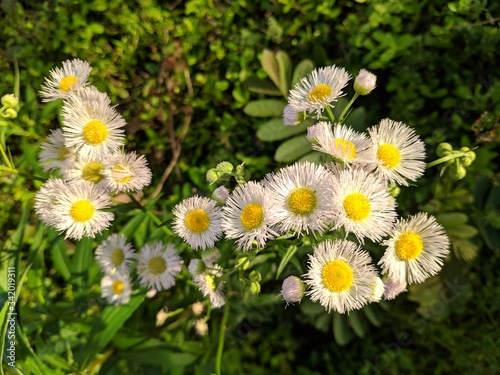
{"x": 275, "y": 130}
{"x": 292, "y": 149}
{"x": 371, "y": 313}
{"x": 357, "y": 323}
{"x": 271, "y": 67}
{"x": 301, "y": 70}
{"x": 265, "y": 108}
{"x": 309, "y": 308}
{"x": 290, "y": 252}
{"x": 462, "y": 231}
{"x": 129, "y": 229}
{"x": 59, "y": 254}
{"x": 488, "y": 233}
{"x": 285, "y": 72}
{"x": 450, "y": 219}
{"x": 322, "y": 322}
{"x": 356, "y": 119}
{"x": 341, "y": 329}
{"x": 313, "y": 157}
{"x": 261, "y": 86}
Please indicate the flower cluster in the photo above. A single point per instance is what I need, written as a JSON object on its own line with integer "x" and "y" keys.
{"x": 86, "y": 156}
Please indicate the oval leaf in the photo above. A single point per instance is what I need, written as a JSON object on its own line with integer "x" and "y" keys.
{"x": 270, "y": 65}
{"x": 275, "y": 130}
{"x": 285, "y": 70}
{"x": 301, "y": 70}
{"x": 261, "y": 86}
{"x": 341, "y": 329}
{"x": 357, "y": 323}
{"x": 292, "y": 149}
{"x": 265, "y": 108}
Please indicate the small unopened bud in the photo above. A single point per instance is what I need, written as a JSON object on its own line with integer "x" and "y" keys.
{"x": 161, "y": 316}
{"x": 293, "y": 289}
{"x": 212, "y": 176}
{"x": 10, "y": 113}
{"x": 313, "y": 131}
{"x": 221, "y": 194}
{"x": 201, "y": 327}
{"x": 457, "y": 171}
{"x": 365, "y": 82}
{"x": 442, "y": 148}
{"x": 151, "y": 293}
{"x": 254, "y": 287}
{"x": 9, "y": 101}
{"x": 197, "y": 308}
{"x": 224, "y": 167}
{"x": 392, "y": 288}
{"x": 394, "y": 190}
{"x": 291, "y": 116}
{"x": 196, "y": 267}
{"x": 378, "y": 289}
{"x": 468, "y": 159}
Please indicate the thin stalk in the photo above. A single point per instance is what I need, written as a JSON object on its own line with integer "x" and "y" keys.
{"x": 341, "y": 117}
{"x": 222, "y": 335}
{"x": 330, "y": 113}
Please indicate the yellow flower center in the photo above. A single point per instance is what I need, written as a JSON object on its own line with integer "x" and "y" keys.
{"x": 210, "y": 281}
{"x": 302, "y": 201}
{"x": 357, "y": 206}
{"x": 95, "y": 132}
{"x": 82, "y": 211}
{"x": 197, "y": 221}
{"x": 389, "y": 155}
{"x": 252, "y": 216}
{"x": 157, "y": 265}
{"x": 345, "y": 148}
{"x": 319, "y": 93}
{"x": 62, "y": 153}
{"x": 337, "y": 276}
{"x": 91, "y": 171}
{"x": 409, "y": 246}
{"x": 67, "y": 83}
{"x": 117, "y": 287}
{"x": 121, "y": 174}
{"x": 117, "y": 257}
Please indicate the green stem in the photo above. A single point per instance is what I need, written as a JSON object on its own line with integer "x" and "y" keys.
{"x": 444, "y": 159}
{"x": 6, "y": 159}
{"x": 330, "y": 113}
{"x": 222, "y": 335}
{"x": 341, "y": 118}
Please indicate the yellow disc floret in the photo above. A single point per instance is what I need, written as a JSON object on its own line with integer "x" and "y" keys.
{"x": 319, "y": 93}
{"x": 121, "y": 174}
{"x": 157, "y": 265}
{"x": 252, "y": 216}
{"x": 82, "y": 211}
{"x": 91, "y": 171}
{"x": 345, "y": 148}
{"x": 389, "y": 155}
{"x": 62, "y": 153}
{"x": 357, "y": 206}
{"x": 302, "y": 201}
{"x": 67, "y": 83}
{"x": 95, "y": 132}
{"x": 409, "y": 246}
{"x": 197, "y": 221}
{"x": 117, "y": 287}
{"x": 117, "y": 257}
{"x": 337, "y": 276}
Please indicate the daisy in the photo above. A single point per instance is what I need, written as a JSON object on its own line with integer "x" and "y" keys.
{"x": 115, "y": 254}
{"x": 377, "y": 289}
{"x": 303, "y": 197}
{"x": 397, "y": 153}
{"x": 248, "y": 216}
{"x": 90, "y": 170}
{"x": 91, "y": 126}
{"x": 62, "y": 82}
{"x": 54, "y": 153}
{"x": 416, "y": 249}
{"x": 46, "y": 198}
{"x": 116, "y": 288}
{"x": 158, "y": 265}
{"x": 393, "y": 288}
{"x": 127, "y": 172}
{"x": 362, "y": 204}
{"x": 78, "y": 210}
{"x": 207, "y": 279}
{"x": 340, "y": 276}
{"x": 198, "y": 222}
{"x": 343, "y": 144}
{"x": 318, "y": 89}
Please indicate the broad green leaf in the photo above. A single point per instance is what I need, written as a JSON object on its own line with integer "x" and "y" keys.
{"x": 464, "y": 249}
{"x": 312, "y": 157}
{"x": 270, "y": 65}
{"x": 262, "y": 86}
{"x": 372, "y": 314}
{"x": 322, "y": 322}
{"x": 292, "y": 149}
{"x": 341, "y": 330}
{"x": 450, "y": 219}
{"x": 356, "y": 119}
{"x": 301, "y": 70}
{"x": 129, "y": 229}
{"x": 285, "y": 71}
{"x": 275, "y": 130}
{"x": 489, "y": 234}
{"x": 357, "y": 323}
{"x": 462, "y": 231}
{"x": 307, "y": 307}
{"x": 59, "y": 254}
{"x": 265, "y": 108}
{"x": 290, "y": 252}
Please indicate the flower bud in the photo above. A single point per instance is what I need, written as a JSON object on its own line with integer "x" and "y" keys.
{"x": 394, "y": 190}
{"x": 292, "y": 289}
{"x": 254, "y": 287}
{"x": 378, "y": 289}
{"x": 457, "y": 171}
{"x": 392, "y": 288}
{"x": 10, "y": 113}
{"x": 365, "y": 82}
{"x": 221, "y": 194}
{"x": 442, "y": 147}
{"x": 201, "y": 327}
{"x": 9, "y": 101}
{"x": 468, "y": 158}
{"x": 161, "y": 316}
{"x": 291, "y": 116}
{"x": 212, "y": 176}
{"x": 197, "y": 308}
{"x": 224, "y": 167}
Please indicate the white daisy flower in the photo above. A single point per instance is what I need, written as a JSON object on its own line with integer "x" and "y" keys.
{"x": 207, "y": 281}
{"x": 115, "y": 254}
{"x": 127, "y": 172}
{"x": 340, "y": 276}
{"x": 303, "y": 197}
{"x": 91, "y": 126}
{"x": 248, "y": 216}
{"x": 158, "y": 265}
{"x": 78, "y": 210}
{"x": 318, "y": 89}
{"x": 343, "y": 144}
{"x": 54, "y": 153}
{"x": 397, "y": 152}
{"x": 62, "y": 82}
{"x": 377, "y": 289}
{"x": 362, "y": 204}
{"x": 86, "y": 169}
{"x": 198, "y": 222}
{"x": 292, "y": 289}
{"x": 116, "y": 288}
{"x": 46, "y": 198}
{"x": 320, "y": 130}
{"x": 393, "y": 288}
{"x": 416, "y": 249}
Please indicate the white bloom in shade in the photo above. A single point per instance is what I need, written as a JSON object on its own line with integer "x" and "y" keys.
{"x": 197, "y": 308}
{"x": 397, "y": 152}
{"x": 158, "y": 265}
{"x": 115, "y": 255}
{"x": 291, "y": 116}
{"x": 207, "y": 281}
{"x": 46, "y": 198}
{"x": 116, "y": 288}
{"x": 127, "y": 172}
{"x": 340, "y": 276}
{"x": 249, "y": 216}
{"x": 79, "y": 210}
{"x": 210, "y": 256}
{"x": 318, "y": 89}
{"x": 221, "y": 194}
{"x": 393, "y": 288}
{"x": 198, "y": 222}
{"x": 362, "y": 204}
{"x": 320, "y": 130}
{"x": 377, "y": 289}
{"x": 343, "y": 144}
{"x": 61, "y": 82}
{"x": 91, "y": 126}
{"x": 416, "y": 249}
{"x": 365, "y": 82}
{"x": 201, "y": 327}
{"x": 292, "y": 290}
{"x": 90, "y": 170}
{"x": 303, "y": 197}
{"x": 54, "y": 153}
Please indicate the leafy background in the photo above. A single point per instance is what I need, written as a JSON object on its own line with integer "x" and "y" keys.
{"x": 182, "y": 75}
